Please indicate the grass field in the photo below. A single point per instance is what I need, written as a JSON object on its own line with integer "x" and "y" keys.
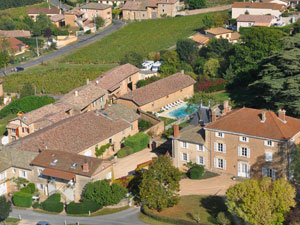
{"x": 213, "y": 3}
{"x": 54, "y": 78}
{"x": 141, "y": 37}
{"x": 12, "y": 221}
{"x": 208, "y": 208}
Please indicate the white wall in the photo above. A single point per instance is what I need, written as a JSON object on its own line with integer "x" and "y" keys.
{"x": 239, "y": 11}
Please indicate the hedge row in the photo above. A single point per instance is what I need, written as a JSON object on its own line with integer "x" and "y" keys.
{"x": 22, "y": 199}
{"x": 153, "y": 215}
{"x": 83, "y": 207}
{"x": 125, "y": 152}
{"x": 30, "y": 188}
{"x": 138, "y": 141}
{"x": 53, "y": 204}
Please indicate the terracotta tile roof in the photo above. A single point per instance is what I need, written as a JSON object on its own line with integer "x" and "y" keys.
{"x": 119, "y": 111}
{"x": 73, "y": 134}
{"x": 65, "y": 162}
{"x": 201, "y": 39}
{"x": 98, "y": 6}
{"x": 218, "y": 30}
{"x": 255, "y": 18}
{"x": 154, "y": 3}
{"x": 15, "y": 43}
{"x": 83, "y": 96}
{"x": 258, "y": 5}
{"x": 140, "y": 5}
{"x": 235, "y": 36}
{"x": 47, "y": 112}
{"x": 248, "y": 121}
{"x": 111, "y": 79}
{"x": 58, "y": 174}
{"x": 192, "y": 134}
{"x": 43, "y": 10}
{"x": 15, "y": 33}
{"x": 57, "y": 18}
{"x": 159, "y": 89}
{"x": 76, "y": 12}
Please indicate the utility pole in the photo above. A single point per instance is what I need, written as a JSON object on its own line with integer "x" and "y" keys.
{"x": 37, "y": 47}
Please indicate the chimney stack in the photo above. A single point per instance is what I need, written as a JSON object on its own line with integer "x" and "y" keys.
{"x": 263, "y": 117}
{"x": 85, "y": 167}
{"x": 213, "y": 117}
{"x": 281, "y": 114}
{"x": 226, "y": 107}
{"x": 76, "y": 93}
{"x": 176, "y": 130}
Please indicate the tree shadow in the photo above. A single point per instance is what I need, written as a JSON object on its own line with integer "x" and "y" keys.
{"x": 213, "y": 205}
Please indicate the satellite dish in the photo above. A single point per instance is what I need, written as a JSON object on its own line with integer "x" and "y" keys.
{"x": 5, "y": 140}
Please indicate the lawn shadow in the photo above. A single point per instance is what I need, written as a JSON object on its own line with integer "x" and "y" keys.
{"x": 213, "y": 205}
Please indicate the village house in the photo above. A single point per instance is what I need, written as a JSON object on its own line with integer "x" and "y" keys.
{"x": 84, "y": 133}
{"x": 15, "y": 33}
{"x": 200, "y": 39}
{"x": 257, "y": 8}
{"x": 119, "y": 80}
{"x": 17, "y": 47}
{"x": 92, "y": 10}
{"x": 58, "y": 20}
{"x": 222, "y": 33}
{"x": 156, "y": 95}
{"x": 135, "y": 10}
{"x": 244, "y": 142}
{"x": 35, "y": 12}
{"x": 74, "y": 18}
{"x": 112, "y": 2}
{"x": 254, "y": 21}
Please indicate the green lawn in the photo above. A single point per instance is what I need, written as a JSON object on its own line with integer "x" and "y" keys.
{"x": 207, "y": 207}
{"x": 166, "y": 120}
{"x": 213, "y": 3}
{"x": 140, "y": 37}
{"x": 12, "y": 221}
{"x": 4, "y": 122}
{"x": 54, "y": 78}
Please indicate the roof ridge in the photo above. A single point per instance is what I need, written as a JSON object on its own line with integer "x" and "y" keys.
{"x": 275, "y": 121}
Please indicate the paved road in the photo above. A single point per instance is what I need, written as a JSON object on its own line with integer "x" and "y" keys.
{"x": 82, "y": 42}
{"x": 126, "y": 217}
{"x": 58, "y": 3}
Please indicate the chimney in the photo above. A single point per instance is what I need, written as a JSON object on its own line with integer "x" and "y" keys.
{"x": 226, "y": 107}
{"x": 281, "y": 114}
{"x": 87, "y": 81}
{"x": 263, "y": 117}
{"x": 182, "y": 71}
{"x": 213, "y": 117}
{"x": 85, "y": 167}
{"x": 76, "y": 93}
{"x": 176, "y": 130}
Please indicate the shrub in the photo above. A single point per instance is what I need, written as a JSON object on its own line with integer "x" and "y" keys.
{"x": 32, "y": 187}
{"x": 36, "y": 205}
{"x": 53, "y": 204}
{"x": 196, "y": 172}
{"x": 138, "y": 141}
{"x": 125, "y": 152}
{"x": 88, "y": 32}
{"x": 83, "y": 207}
{"x": 211, "y": 85}
{"x": 26, "y": 190}
{"x": 124, "y": 181}
{"x": 144, "y": 125}
{"x": 54, "y": 198}
{"x": 22, "y": 199}
{"x": 222, "y": 219}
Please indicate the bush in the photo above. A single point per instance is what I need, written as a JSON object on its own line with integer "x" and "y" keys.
{"x": 196, "y": 172}
{"x": 26, "y": 190}
{"x": 22, "y": 199}
{"x": 144, "y": 125}
{"x": 124, "y": 181}
{"x": 125, "y": 152}
{"x": 53, "y": 204}
{"x": 32, "y": 187}
{"x": 83, "y": 207}
{"x": 222, "y": 219}
{"x": 211, "y": 85}
{"x": 36, "y": 205}
{"x": 88, "y": 32}
{"x": 138, "y": 141}
{"x": 54, "y": 198}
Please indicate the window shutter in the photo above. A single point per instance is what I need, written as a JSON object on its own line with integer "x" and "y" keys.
{"x": 239, "y": 168}
{"x": 241, "y": 138}
{"x": 264, "y": 172}
{"x": 203, "y": 160}
{"x": 188, "y": 157}
{"x": 215, "y": 162}
{"x": 273, "y": 174}
{"x": 249, "y": 171}
{"x": 197, "y": 159}
{"x": 181, "y": 144}
{"x": 187, "y": 145}
{"x": 224, "y": 164}
{"x": 224, "y": 148}
{"x": 216, "y": 146}
{"x": 181, "y": 156}
{"x": 239, "y": 151}
{"x": 248, "y": 152}
{"x": 5, "y": 174}
{"x": 266, "y": 143}
{"x": 216, "y": 134}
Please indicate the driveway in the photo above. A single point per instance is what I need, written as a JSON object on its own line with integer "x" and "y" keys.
{"x": 126, "y": 217}
{"x": 128, "y": 164}
{"x": 212, "y": 186}
{"x": 85, "y": 40}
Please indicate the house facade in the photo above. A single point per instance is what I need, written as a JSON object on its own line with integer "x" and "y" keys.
{"x": 245, "y": 143}
{"x": 92, "y": 10}
{"x": 35, "y": 12}
{"x": 74, "y": 18}
{"x": 222, "y": 33}
{"x": 158, "y": 94}
{"x": 257, "y": 8}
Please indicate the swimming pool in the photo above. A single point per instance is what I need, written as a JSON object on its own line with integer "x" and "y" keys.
{"x": 180, "y": 112}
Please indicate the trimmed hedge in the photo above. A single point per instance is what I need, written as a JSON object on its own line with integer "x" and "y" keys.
{"x": 55, "y": 197}
{"x": 196, "y": 172}
{"x": 83, "y": 207}
{"x": 36, "y": 205}
{"x": 53, "y": 204}
{"x": 22, "y": 199}
{"x": 138, "y": 141}
{"x": 125, "y": 152}
{"x": 30, "y": 188}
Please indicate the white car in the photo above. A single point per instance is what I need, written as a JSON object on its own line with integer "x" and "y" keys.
{"x": 156, "y": 66}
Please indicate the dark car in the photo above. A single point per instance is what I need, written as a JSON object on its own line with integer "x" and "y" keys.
{"x": 178, "y": 15}
{"x": 17, "y": 69}
{"x": 43, "y": 223}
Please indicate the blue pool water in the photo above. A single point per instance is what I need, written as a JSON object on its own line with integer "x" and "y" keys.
{"x": 180, "y": 112}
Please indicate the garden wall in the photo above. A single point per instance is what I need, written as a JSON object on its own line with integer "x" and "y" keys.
{"x": 158, "y": 125}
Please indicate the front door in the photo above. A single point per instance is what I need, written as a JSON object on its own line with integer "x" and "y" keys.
{"x": 243, "y": 170}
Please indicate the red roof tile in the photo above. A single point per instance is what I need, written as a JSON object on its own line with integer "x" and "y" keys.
{"x": 258, "y": 5}
{"x": 43, "y": 10}
{"x": 59, "y": 174}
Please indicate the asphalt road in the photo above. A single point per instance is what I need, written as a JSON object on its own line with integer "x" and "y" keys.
{"x": 58, "y": 3}
{"x": 84, "y": 40}
{"x": 126, "y": 217}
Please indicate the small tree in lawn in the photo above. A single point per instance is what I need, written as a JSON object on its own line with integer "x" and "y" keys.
{"x": 5, "y": 208}
{"x": 99, "y": 21}
{"x": 261, "y": 202}
{"x": 160, "y": 184}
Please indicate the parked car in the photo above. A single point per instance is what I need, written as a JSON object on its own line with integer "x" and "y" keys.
{"x": 17, "y": 69}
{"x": 43, "y": 223}
{"x": 178, "y": 15}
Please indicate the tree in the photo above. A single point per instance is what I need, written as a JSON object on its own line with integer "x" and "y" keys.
{"x": 48, "y": 32}
{"x": 197, "y": 4}
{"x": 4, "y": 58}
{"x": 103, "y": 193}
{"x": 261, "y": 202}
{"x": 160, "y": 184}
{"x": 211, "y": 67}
{"x": 187, "y": 50}
{"x": 99, "y": 21}
{"x": 222, "y": 219}
{"x": 5, "y": 208}
{"x": 295, "y": 165}
{"x": 132, "y": 58}
{"x": 199, "y": 65}
{"x": 27, "y": 90}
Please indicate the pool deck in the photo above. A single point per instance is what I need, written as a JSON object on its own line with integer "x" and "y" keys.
{"x": 165, "y": 113}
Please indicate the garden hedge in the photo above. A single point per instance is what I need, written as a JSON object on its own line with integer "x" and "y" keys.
{"x": 125, "y": 152}
{"x": 22, "y": 199}
{"x": 138, "y": 141}
{"x": 53, "y": 204}
{"x": 83, "y": 207}
{"x": 196, "y": 172}
{"x": 30, "y": 188}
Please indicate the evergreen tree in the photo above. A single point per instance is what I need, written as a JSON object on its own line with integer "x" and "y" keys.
{"x": 5, "y": 208}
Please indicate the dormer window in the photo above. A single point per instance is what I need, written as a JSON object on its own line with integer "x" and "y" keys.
{"x": 54, "y": 162}
{"x": 220, "y": 134}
